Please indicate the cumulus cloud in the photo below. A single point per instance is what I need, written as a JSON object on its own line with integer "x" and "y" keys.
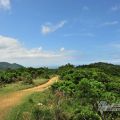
{"x": 11, "y": 50}
{"x": 5, "y": 4}
{"x": 49, "y": 28}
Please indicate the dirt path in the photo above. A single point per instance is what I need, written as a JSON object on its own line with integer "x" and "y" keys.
{"x": 7, "y": 102}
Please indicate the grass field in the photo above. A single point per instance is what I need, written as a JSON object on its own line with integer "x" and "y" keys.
{"x": 25, "y": 109}
{"x": 39, "y": 106}
{"x": 18, "y": 100}
{"x": 20, "y": 86}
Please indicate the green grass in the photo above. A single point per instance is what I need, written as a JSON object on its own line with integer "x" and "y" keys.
{"x": 8, "y": 88}
{"x": 31, "y": 102}
{"x": 28, "y": 104}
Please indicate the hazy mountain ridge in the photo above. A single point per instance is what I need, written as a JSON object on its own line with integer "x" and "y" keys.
{"x": 6, "y": 65}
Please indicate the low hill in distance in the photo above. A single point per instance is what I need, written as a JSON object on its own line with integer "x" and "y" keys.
{"x": 6, "y": 65}
{"x": 108, "y": 68}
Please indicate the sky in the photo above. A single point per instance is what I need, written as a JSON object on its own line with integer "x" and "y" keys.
{"x": 55, "y": 32}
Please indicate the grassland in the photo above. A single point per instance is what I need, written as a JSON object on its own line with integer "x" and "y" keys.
{"x": 9, "y": 88}
{"x": 26, "y": 108}
{"x": 8, "y": 101}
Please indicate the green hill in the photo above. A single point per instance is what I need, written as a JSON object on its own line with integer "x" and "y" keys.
{"x": 6, "y": 65}
{"x": 105, "y": 67}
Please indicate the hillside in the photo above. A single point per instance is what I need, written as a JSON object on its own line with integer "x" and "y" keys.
{"x": 76, "y": 94}
{"x": 108, "y": 68}
{"x": 6, "y": 65}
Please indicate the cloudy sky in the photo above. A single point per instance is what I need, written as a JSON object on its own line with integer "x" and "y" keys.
{"x": 55, "y": 32}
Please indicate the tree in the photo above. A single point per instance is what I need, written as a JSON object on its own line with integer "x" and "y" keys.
{"x": 27, "y": 79}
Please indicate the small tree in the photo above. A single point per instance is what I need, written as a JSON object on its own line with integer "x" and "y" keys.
{"x": 27, "y": 79}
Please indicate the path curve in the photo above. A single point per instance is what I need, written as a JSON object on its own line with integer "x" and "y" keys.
{"x": 7, "y": 102}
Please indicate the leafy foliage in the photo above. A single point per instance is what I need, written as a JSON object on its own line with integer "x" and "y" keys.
{"x": 24, "y": 74}
{"x": 87, "y": 85}
{"x": 75, "y": 96}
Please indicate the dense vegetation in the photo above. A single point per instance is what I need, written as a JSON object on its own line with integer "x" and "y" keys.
{"x": 88, "y": 85}
{"x": 76, "y": 95}
{"x": 26, "y": 75}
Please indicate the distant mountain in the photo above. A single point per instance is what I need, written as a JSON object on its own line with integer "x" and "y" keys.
{"x": 6, "y": 65}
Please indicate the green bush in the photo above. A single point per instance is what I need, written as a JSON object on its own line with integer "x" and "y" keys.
{"x": 41, "y": 113}
{"x": 85, "y": 113}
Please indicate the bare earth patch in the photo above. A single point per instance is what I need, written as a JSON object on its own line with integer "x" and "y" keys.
{"x": 9, "y": 101}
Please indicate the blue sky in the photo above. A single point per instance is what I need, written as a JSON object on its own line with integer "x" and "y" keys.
{"x": 55, "y": 32}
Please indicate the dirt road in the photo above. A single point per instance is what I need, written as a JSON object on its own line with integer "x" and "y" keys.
{"x": 9, "y": 101}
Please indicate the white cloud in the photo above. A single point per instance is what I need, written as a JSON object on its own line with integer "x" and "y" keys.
{"x": 62, "y": 49}
{"x": 115, "y": 8}
{"x": 49, "y": 28}
{"x": 11, "y": 50}
{"x": 80, "y": 34}
{"x": 110, "y": 23}
{"x": 85, "y": 8}
{"x": 5, "y": 4}
{"x": 115, "y": 45}
{"x": 87, "y": 34}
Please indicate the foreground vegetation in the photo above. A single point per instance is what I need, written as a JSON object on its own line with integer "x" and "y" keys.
{"x": 75, "y": 96}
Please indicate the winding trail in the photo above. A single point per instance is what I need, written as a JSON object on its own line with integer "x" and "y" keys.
{"x": 9, "y": 101}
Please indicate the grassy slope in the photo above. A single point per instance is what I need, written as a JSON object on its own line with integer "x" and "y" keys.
{"x": 20, "y": 95}
{"x": 27, "y": 105}
{"x": 20, "y": 86}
